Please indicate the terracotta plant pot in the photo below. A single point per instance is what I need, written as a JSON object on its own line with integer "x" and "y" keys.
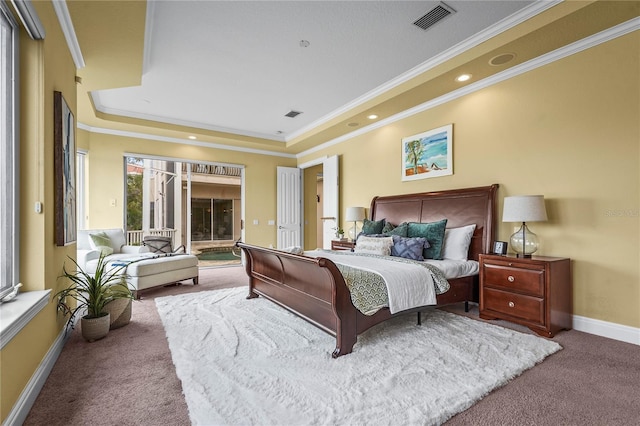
{"x": 120, "y": 311}
{"x": 95, "y": 328}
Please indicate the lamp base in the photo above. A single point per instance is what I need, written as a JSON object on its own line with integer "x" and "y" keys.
{"x": 353, "y": 232}
{"x": 524, "y": 242}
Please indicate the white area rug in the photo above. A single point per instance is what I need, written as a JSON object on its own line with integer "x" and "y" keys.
{"x": 247, "y": 362}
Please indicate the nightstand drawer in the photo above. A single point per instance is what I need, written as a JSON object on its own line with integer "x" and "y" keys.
{"x": 342, "y": 245}
{"x": 516, "y": 305}
{"x": 530, "y": 281}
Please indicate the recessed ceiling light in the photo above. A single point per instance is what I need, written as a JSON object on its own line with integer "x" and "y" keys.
{"x": 372, "y": 117}
{"x": 192, "y": 137}
{"x": 463, "y": 77}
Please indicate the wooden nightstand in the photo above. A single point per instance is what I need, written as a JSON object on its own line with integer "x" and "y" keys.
{"x": 342, "y": 245}
{"x": 535, "y": 292}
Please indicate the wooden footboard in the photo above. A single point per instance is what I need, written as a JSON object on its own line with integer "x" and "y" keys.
{"x": 314, "y": 289}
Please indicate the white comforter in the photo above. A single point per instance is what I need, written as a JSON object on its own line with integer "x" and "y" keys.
{"x": 455, "y": 268}
{"x": 408, "y": 286}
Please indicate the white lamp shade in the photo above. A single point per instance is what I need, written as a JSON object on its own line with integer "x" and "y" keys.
{"x": 355, "y": 214}
{"x": 524, "y": 208}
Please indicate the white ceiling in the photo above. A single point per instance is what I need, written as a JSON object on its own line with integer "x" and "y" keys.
{"x": 238, "y": 66}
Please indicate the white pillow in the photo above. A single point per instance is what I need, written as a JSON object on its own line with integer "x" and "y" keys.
{"x": 293, "y": 250}
{"x": 456, "y": 242}
{"x": 374, "y": 245}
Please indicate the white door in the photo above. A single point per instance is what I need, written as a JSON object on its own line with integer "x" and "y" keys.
{"x": 330, "y": 213}
{"x": 289, "y": 207}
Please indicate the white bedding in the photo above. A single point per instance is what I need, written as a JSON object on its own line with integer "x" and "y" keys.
{"x": 408, "y": 285}
{"x": 456, "y": 268}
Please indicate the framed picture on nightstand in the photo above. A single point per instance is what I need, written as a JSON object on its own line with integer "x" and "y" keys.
{"x": 500, "y": 247}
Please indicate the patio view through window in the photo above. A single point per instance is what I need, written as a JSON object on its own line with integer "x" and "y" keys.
{"x": 197, "y": 205}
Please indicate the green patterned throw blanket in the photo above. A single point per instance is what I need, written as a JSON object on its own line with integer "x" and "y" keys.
{"x": 368, "y": 289}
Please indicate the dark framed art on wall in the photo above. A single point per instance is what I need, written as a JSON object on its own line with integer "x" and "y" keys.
{"x": 64, "y": 155}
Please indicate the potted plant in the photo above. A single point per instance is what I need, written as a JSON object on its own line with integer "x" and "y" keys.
{"x": 339, "y": 233}
{"x": 92, "y": 292}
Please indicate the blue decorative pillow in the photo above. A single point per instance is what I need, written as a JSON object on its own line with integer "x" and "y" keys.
{"x": 372, "y": 226}
{"x": 409, "y": 248}
{"x": 433, "y": 232}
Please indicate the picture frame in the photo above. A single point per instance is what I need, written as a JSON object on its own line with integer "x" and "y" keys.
{"x": 428, "y": 154}
{"x": 500, "y": 248}
{"x": 64, "y": 145}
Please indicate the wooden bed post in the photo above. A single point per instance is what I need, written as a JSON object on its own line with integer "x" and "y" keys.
{"x": 247, "y": 268}
{"x": 343, "y": 309}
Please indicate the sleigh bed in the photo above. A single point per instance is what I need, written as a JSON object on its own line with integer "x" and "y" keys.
{"x": 315, "y": 289}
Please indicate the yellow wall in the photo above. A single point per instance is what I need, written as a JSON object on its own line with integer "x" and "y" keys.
{"x": 106, "y": 179}
{"x": 45, "y": 66}
{"x": 570, "y": 131}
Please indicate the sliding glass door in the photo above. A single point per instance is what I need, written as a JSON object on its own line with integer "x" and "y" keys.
{"x": 196, "y": 204}
{"x": 211, "y": 219}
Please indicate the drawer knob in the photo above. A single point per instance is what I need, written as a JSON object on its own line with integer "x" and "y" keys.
{"x": 511, "y": 304}
{"x": 510, "y": 278}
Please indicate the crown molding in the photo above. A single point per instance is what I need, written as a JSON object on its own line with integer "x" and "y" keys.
{"x": 69, "y": 32}
{"x": 558, "y": 54}
{"x": 181, "y": 141}
{"x": 507, "y": 23}
{"x": 95, "y": 96}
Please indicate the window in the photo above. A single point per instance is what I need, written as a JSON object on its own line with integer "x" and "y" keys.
{"x": 9, "y": 155}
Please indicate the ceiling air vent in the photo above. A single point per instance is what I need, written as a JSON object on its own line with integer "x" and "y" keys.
{"x": 292, "y": 114}
{"x": 433, "y": 16}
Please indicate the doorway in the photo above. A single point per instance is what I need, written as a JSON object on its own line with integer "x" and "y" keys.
{"x": 197, "y": 204}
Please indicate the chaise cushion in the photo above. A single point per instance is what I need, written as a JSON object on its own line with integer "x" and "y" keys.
{"x": 156, "y": 265}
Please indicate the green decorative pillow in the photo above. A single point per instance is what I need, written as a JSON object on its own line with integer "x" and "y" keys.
{"x": 101, "y": 239}
{"x": 400, "y": 230}
{"x": 433, "y": 232}
{"x": 372, "y": 226}
{"x": 388, "y": 227}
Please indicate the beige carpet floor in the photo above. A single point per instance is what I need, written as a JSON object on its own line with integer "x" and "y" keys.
{"x": 128, "y": 378}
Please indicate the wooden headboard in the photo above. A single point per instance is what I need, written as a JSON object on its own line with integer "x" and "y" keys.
{"x": 459, "y": 206}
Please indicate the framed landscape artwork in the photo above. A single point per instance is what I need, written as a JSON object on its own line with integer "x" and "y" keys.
{"x": 64, "y": 145}
{"x": 428, "y": 154}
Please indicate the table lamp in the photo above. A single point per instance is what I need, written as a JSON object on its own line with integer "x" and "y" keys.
{"x": 354, "y": 214}
{"x": 524, "y": 208}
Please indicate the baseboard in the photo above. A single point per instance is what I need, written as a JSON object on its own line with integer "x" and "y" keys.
{"x": 610, "y": 330}
{"x": 29, "y": 394}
